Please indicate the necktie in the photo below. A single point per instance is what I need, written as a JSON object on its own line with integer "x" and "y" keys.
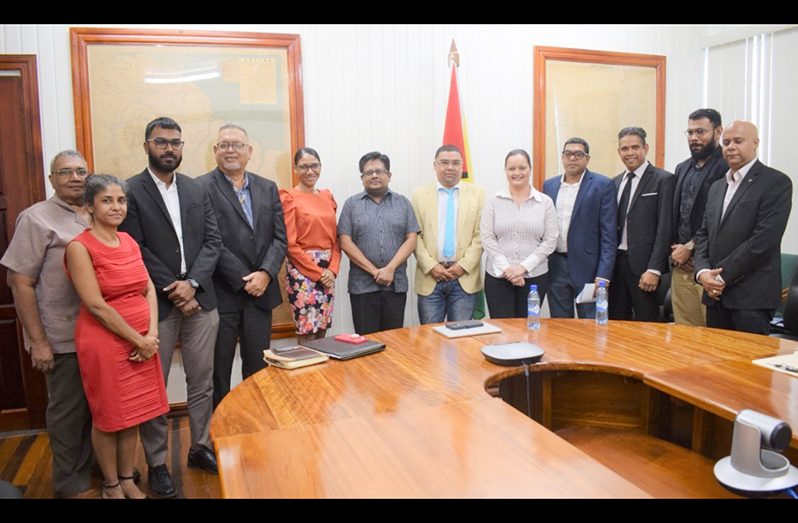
{"x": 448, "y": 235}
{"x": 623, "y": 205}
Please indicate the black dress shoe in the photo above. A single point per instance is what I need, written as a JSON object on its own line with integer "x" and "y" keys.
{"x": 161, "y": 483}
{"x": 203, "y": 458}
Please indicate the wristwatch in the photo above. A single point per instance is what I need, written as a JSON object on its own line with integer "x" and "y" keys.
{"x": 193, "y": 283}
{"x": 690, "y": 245}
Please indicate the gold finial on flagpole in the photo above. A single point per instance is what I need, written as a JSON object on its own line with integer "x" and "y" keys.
{"x": 454, "y": 56}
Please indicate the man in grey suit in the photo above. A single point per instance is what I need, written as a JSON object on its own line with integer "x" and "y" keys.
{"x": 252, "y": 227}
{"x": 171, "y": 218}
{"x": 645, "y": 195}
{"x": 737, "y": 255}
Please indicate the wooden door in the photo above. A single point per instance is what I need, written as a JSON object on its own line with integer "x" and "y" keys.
{"x": 23, "y": 396}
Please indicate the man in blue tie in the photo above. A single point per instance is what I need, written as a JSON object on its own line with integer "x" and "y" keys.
{"x": 449, "y": 252}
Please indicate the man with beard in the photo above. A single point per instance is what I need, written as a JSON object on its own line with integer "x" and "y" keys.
{"x": 171, "y": 218}
{"x": 694, "y": 176}
{"x": 252, "y": 227}
{"x": 378, "y": 231}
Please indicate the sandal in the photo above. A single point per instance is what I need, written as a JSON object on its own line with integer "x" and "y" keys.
{"x": 106, "y": 487}
{"x": 133, "y": 479}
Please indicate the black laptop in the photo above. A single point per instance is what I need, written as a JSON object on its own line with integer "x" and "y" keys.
{"x": 340, "y": 350}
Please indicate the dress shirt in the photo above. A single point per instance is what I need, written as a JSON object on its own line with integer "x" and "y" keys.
{"x": 443, "y": 201}
{"x": 566, "y": 198}
{"x": 635, "y": 182}
{"x": 523, "y": 235}
{"x": 244, "y": 197}
{"x": 733, "y": 181}
{"x": 172, "y": 202}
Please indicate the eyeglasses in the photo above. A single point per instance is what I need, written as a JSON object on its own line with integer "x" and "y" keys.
{"x": 162, "y": 143}
{"x": 447, "y": 163}
{"x": 698, "y": 132}
{"x": 305, "y": 167}
{"x": 236, "y": 146}
{"x": 379, "y": 172}
{"x": 576, "y": 154}
{"x": 82, "y": 172}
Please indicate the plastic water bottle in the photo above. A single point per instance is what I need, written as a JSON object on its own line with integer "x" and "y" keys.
{"x": 533, "y": 309}
{"x": 601, "y": 303}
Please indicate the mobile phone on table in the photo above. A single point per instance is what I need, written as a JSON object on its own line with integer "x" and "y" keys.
{"x": 466, "y": 324}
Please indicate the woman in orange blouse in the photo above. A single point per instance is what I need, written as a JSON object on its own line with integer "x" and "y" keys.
{"x": 314, "y": 256}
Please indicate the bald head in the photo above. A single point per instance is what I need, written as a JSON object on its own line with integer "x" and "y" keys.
{"x": 740, "y": 141}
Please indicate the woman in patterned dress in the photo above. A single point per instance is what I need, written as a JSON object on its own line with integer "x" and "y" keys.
{"x": 314, "y": 256}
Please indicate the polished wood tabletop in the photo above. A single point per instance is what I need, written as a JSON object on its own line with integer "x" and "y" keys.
{"x": 416, "y": 420}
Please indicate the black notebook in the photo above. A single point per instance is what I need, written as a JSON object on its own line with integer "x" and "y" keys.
{"x": 344, "y": 351}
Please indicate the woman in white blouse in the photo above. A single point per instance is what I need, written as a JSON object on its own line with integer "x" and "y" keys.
{"x": 519, "y": 231}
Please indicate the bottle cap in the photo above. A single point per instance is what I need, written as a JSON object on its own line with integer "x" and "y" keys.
{"x": 533, "y": 287}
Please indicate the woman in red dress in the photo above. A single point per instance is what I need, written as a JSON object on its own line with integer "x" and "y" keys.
{"x": 116, "y": 335}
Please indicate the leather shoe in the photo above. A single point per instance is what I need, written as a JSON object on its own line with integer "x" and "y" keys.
{"x": 161, "y": 483}
{"x": 203, "y": 458}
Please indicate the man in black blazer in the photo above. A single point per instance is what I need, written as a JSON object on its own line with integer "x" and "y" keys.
{"x": 694, "y": 177}
{"x": 737, "y": 256}
{"x": 252, "y": 227}
{"x": 171, "y": 218}
{"x": 645, "y": 195}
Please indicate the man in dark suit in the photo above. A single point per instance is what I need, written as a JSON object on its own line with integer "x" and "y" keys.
{"x": 645, "y": 196}
{"x": 171, "y": 218}
{"x": 252, "y": 227}
{"x": 586, "y": 214}
{"x": 694, "y": 177}
{"x": 737, "y": 255}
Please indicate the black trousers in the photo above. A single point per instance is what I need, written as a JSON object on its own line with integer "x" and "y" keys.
{"x": 251, "y": 328}
{"x": 378, "y": 311}
{"x": 627, "y": 300}
{"x": 746, "y": 320}
{"x": 506, "y": 300}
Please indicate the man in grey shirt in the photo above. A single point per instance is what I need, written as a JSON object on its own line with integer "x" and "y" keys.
{"x": 377, "y": 230}
{"x": 47, "y": 306}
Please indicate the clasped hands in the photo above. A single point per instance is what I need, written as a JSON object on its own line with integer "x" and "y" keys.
{"x": 181, "y": 293}
{"x": 682, "y": 257}
{"x": 256, "y": 283}
{"x": 441, "y": 273}
{"x": 145, "y": 348}
{"x": 712, "y": 283}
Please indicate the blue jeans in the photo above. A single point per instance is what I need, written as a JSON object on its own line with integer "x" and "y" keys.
{"x": 447, "y": 301}
{"x": 562, "y": 292}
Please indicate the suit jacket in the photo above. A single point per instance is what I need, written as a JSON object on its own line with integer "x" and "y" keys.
{"x": 148, "y": 222}
{"x": 468, "y": 250}
{"x": 746, "y": 241}
{"x": 244, "y": 249}
{"x": 648, "y": 221}
{"x": 717, "y": 168}
{"x": 592, "y": 233}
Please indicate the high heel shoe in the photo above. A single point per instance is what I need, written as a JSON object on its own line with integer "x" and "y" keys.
{"x": 133, "y": 479}
{"x": 105, "y": 488}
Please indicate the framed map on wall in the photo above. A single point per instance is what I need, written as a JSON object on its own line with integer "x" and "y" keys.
{"x": 124, "y": 78}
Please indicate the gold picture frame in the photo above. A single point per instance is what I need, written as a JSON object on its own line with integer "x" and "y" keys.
{"x": 593, "y": 95}
{"x": 124, "y": 78}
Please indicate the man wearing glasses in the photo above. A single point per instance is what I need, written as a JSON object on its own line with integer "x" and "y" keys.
{"x": 377, "y": 230}
{"x": 694, "y": 176}
{"x": 47, "y": 306}
{"x": 171, "y": 218}
{"x": 585, "y": 252}
{"x": 450, "y": 251}
{"x": 252, "y": 228}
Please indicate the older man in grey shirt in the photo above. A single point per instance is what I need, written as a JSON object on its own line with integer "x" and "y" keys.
{"x": 377, "y": 230}
{"x": 47, "y": 306}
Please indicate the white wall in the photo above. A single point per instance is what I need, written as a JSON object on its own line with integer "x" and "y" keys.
{"x": 386, "y": 87}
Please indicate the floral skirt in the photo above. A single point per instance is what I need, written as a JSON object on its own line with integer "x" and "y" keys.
{"x": 311, "y": 302}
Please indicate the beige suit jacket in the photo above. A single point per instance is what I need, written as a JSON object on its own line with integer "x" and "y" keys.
{"x": 468, "y": 250}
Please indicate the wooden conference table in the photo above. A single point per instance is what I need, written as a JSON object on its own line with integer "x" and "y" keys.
{"x": 430, "y": 417}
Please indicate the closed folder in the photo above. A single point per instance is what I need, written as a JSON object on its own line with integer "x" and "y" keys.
{"x": 293, "y": 357}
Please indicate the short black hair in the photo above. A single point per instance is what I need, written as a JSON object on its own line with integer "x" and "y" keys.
{"x": 164, "y": 122}
{"x": 302, "y": 152}
{"x": 97, "y": 183}
{"x": 577, "y": 140}
{"x": 636, "y": 131}
{"x": 710, "y": 114}
{"x": 448, "y": 148}
{"x": 374, "y": 155}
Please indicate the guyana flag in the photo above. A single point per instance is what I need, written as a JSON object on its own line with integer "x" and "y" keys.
{"x": 454, "y": 133}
